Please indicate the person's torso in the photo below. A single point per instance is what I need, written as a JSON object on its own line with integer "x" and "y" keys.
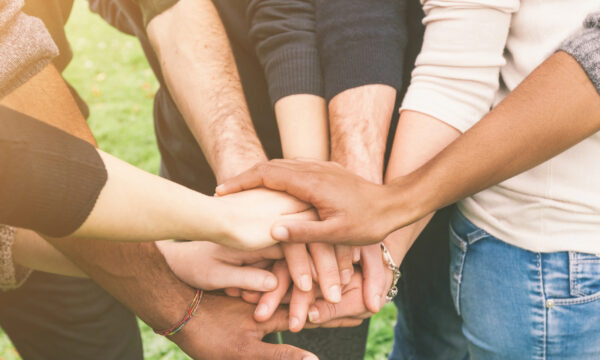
{"x": 556, "y": 205}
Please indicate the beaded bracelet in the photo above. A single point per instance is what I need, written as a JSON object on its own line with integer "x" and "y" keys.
{"x": 188, "y": 315}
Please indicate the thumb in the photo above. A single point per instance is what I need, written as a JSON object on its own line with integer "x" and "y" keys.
{"x": 246, "y": 278}
{"x": 261, "y": 350}
{"x": 374, "y": 274}
{"x": 306, "y": 231}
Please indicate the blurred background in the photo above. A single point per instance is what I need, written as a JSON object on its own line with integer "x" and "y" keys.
{"x": 110, "y": 72}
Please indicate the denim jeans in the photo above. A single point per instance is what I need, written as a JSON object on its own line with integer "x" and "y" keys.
{"x": 518, "y": 304}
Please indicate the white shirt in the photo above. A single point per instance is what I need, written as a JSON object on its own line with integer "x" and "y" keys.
{"x": 468, "y": 46}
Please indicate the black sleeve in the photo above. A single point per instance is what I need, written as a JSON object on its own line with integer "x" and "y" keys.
{"x": 49, "y": 180}
{"x": 361, "y": 42}
{"x": 283, "y": 32}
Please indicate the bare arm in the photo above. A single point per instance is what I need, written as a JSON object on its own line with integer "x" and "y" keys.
{"x": 202, "y": 77}
{"x": 554, "y": 108}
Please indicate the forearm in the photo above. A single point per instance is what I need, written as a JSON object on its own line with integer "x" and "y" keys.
{"x": 553, "y": 109}
{"x": 150, "y": 208}
{"x": 134, "y": 273}
{"x": 359, "y": 121}
{"x": 302, "y": 122}
{"x": 202, "y": 77}
{"x": 32, "y": 251}
{"x": 419, "y": 137}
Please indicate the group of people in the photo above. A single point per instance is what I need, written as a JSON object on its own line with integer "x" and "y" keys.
{"x": 439, "y": 154}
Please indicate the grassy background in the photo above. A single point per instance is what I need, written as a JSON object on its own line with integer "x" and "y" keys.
{"x": 110, "y": 72}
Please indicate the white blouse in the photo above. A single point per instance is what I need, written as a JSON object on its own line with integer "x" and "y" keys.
{"x": 469, "y": 45}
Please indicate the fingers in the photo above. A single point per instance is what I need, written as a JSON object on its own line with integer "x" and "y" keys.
{"x": 268, "y": 303}
{"x": 233, "y": 292}
{"x": 355, "y": 254}
{"x": 299, "y": 265}
{"x": 347, "y": 322}
{"x": 324, "y": 258}
{"x": 251, "y": 297}
{"x": 251, "y": 257}
{"x": 344, "y": 256}
{"x": 308, "y": 231}
{"x": 374, "y": 277}
{"x": 272, "y": 175}
{"x": 299, "y": 304}
{"x": 261, "y": 350}
{"x": 351, "y": 305}
{"x": 245, "y": 278}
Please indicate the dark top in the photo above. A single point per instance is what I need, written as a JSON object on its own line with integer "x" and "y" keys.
{"x": 49, "y": 180}
{"x": 361, "y": 42}
{"x": 286, "y": 45}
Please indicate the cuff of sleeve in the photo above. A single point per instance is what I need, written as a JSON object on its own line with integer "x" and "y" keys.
{"x": 371, "y": 62}
{"x": 12, "y": 275}
{"x": 151, "y": 8}
{"x": 444, "y": 107}
{"x": 26, "y": 48}
{"x": 585, "y": 48}
{"x": 54, "y": 170}
{"x": 294, "y": 71}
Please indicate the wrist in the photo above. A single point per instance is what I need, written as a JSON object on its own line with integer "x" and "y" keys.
{"x": 404, "y": 201}
{"x": 360, "y": 164}
{"x": 232, "y": 165}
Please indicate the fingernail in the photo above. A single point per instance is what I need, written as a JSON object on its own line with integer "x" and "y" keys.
{"x": 261, "y": 310}
{"x": 335, "y": 294}
{"x": 270, "y": 282}
{"x": 305, "y": 283}
{"x": 377, "y": 301}
{"x": 310, "y": 357}
{"x": 346, "y": 276}
{"x": 220, "y": 188}
{"x": 313, "y": 315}
{"x": 280, "y": 233}
{"x": 356, "y": 256}
{"x": 294, "y": 322}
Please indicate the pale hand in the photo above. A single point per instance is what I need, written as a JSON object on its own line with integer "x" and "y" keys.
{"x": 209, "y": 266}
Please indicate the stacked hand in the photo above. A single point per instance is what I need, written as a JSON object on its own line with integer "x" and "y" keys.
{"x": 319, "y": 281}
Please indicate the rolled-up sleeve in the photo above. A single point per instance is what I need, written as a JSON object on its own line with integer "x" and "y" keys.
{"x": 456, "y": 74}
{"x": 584, "y": 46}
{"x": 151, "y": 8}
{"x": 49, "y": 180}
{"x": 283, "y": 32}
{"x": 361, "y": 42}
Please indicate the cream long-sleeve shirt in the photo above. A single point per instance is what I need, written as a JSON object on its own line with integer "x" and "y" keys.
{"x": 469, "y": 45}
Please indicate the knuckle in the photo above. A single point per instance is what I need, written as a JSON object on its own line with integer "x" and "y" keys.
{"x": 281, "y": 353}
{"x": 331, "y": 310}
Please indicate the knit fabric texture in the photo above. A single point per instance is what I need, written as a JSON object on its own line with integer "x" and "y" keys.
{"x": 584, "y": 46}
{"x": 25, "y": 45}
{"x": 11, "y": 275}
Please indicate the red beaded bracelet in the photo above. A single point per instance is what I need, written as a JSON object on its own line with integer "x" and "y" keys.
{"x": 188, "y": 315}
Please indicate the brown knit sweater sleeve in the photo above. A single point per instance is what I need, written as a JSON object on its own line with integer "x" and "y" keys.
{"x": 26, "y": 47}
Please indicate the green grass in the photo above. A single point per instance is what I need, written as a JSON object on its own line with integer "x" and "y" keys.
{"x": 110, "y": 72}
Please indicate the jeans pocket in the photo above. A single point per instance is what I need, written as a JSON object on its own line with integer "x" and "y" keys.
{"x": 584, "y": 278}
{"x": 458, "y": 251}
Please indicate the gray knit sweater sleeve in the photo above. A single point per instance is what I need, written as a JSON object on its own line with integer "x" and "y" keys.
{"x": 584, "y": 46}
{"x": 26, "y": 47}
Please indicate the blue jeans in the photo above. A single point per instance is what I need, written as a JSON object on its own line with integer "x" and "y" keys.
{"x": 517, "y": 304}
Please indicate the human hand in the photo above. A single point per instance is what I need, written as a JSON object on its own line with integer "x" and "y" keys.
{"x": 249, "y": 216}
{"x": 223, "y": 328}
{"x": 321, "y": 263}
{"x": 208, "y": 266}
{"x": 353, "y": 211}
